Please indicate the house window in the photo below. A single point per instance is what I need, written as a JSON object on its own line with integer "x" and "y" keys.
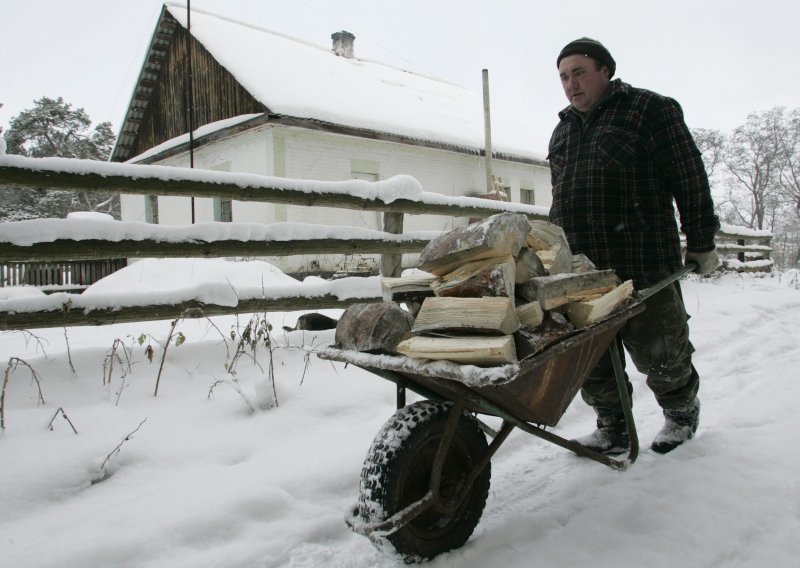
{"x": 223, "y": 210}
{"x": 151, "y": 209}
{"x": 527, "y": 196}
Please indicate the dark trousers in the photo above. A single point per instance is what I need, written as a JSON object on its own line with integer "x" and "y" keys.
{"x": 658, "y": 343}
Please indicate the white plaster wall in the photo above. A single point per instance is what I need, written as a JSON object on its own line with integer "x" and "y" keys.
{"x": 323, "y": 156}
{"x": 245, "y": 152}
{"x": 131, "y": 208}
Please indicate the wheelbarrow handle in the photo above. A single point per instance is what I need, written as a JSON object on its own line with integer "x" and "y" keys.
{"x": 690, "y": 266}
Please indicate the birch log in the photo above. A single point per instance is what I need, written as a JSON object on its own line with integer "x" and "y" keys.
{"x": 473, "y": 350}
{"x": 489, "y": 316}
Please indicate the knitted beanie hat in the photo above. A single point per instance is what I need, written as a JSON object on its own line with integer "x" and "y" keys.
{"x": 590, "y": 48}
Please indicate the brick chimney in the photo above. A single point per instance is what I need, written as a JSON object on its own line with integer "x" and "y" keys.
{"x": 343, "y": 44}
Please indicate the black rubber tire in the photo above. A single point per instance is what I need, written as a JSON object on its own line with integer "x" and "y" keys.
{"x": 397, "y": 473}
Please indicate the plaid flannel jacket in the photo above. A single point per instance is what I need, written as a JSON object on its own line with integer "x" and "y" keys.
{"x": 615, "y": 174}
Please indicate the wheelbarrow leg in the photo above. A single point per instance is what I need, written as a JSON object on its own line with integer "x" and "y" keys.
{"x": 401, "y": 396}
{"x": 619, "y": 375}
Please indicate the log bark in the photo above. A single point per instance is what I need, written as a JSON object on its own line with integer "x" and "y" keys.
{"x": 373, "y": 327}
{"x": 529, "y": 265}
{"x": 474, "y": 350}
{"x": 560, "y": 289}
{"x": 498, "y": 235}
{"x": 481, "y": 316}
{"x": 581, "y": 264}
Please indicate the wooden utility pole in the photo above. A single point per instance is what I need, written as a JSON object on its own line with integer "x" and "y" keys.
{"x": 487, "y": 129}
{"x": 190, "y": 92}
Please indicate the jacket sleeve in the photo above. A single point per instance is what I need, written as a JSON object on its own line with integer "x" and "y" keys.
{"x": 681, "y": 166}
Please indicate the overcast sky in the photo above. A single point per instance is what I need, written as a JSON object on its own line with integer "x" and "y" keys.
{"x": 721, "y": 59}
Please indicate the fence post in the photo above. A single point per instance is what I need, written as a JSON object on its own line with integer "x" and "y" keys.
{"x": 392, "y": 264}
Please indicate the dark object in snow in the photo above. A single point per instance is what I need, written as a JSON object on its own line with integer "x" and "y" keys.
{"x": 313, "y": 322}
{"x": 611, "y": 437}
{"x": 397, "y": 472}
{"x": 679, "y": 426}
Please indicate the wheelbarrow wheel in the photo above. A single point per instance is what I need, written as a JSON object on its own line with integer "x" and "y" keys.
{"x": 397, "y": 473}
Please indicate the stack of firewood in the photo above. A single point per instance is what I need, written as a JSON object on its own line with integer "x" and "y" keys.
{"x": 491, "y": 293}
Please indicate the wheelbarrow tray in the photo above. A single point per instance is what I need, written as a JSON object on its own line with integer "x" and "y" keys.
{"x": 537, "y": 389}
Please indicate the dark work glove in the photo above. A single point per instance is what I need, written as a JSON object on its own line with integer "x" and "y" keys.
{"x": 707, "y": 262}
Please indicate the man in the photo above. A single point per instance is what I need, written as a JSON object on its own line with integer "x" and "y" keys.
{"x": 619, "y": 157}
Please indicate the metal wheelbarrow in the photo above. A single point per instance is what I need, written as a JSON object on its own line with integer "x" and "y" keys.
{"x": 425, "y": 480}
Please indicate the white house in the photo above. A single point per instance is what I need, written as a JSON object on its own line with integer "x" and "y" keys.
{"x": 261, "y": 102}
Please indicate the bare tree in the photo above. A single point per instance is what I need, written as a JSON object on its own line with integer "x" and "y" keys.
{"x": 712, "y": 145}
{"x": 789, "y": 160}
{"x": 752, "y": 161}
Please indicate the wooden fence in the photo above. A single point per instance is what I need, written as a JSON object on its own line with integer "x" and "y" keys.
{"x": 150, "y": 180}
{"x": 58, "y": 275}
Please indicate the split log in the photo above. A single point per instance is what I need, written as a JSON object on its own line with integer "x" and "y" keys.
{"x": 473, "y": 350}
{"x": 408, "y": 290}
{"x": 373, "y": 327}
{"x": 529, "y": 265}
{"x": 585, "y": 313}
{"x": 490, "y": 316}
{"x": 498, "y": 235}
{"x": 581, "y": 264}
{"x": 490, "y": 277}
{"x": 550, "y": 244}
{"x": 560, "y": 289}
{"x": 530, "y": 315}
{"x": 413, "y": 286}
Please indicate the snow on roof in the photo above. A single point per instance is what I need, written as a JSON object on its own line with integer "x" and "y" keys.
{"x": 297, "y": 79}
{"x": 204, "y": 130}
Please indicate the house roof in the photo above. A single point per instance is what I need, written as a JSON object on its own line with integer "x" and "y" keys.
{"x": 298, "y": 80}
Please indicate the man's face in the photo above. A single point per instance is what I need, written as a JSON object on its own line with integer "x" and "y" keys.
{"x": 583, "y": 83}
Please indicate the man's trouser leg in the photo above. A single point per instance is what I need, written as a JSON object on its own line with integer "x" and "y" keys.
{"x": 658, "y": 343}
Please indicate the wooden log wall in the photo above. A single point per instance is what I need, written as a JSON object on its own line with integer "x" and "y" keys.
{"x": 217, "y": 95}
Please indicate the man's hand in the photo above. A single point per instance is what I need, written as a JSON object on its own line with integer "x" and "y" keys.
{"x": 707, "y": 262}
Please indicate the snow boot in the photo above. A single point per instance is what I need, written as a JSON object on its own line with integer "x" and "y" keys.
{"x": 679, "y": 426}
{"x": 611, "y": 437}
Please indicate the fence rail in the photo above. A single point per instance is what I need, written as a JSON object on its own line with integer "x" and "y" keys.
{"x": 155, "y": 180}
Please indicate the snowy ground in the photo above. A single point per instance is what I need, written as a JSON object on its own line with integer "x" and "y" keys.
{"x": 204, "y": 482}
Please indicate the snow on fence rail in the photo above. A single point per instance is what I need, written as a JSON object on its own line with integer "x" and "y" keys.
{"x": 62, "y": 240}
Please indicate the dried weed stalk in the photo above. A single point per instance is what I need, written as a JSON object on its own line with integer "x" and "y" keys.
{"x": 104, "y": 474}
{"x": 13, "y": 363}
